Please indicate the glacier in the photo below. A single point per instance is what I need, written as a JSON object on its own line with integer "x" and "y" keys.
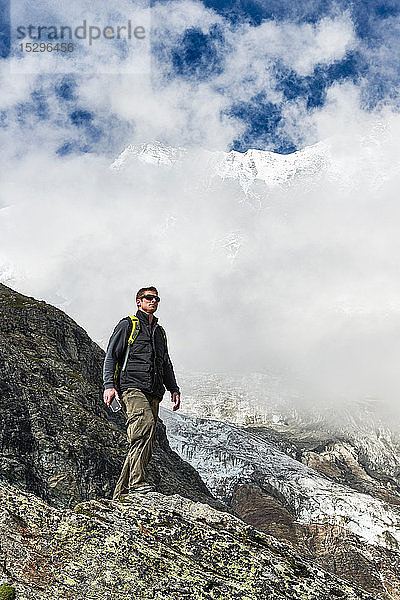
{"x": 224, "y": 453}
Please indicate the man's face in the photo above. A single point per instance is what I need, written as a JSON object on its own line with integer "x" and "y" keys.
{"x": 148, "y": 302}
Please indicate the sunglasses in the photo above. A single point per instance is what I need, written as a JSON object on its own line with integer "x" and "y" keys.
{"x": 150, "y": 297}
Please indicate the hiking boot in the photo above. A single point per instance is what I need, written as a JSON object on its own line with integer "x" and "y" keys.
{"x": 140, "y": 488}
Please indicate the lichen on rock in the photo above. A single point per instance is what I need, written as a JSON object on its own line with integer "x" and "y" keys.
{"x": 159, "y": 547}
{"x": 7, "y": 592}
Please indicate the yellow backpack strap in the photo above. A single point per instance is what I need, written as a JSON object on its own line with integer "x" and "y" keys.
{"x": 135, "y": 329}
{"x": 133, "y": 335}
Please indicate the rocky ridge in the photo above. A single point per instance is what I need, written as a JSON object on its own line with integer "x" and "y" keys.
{"x": 161, "y": 547}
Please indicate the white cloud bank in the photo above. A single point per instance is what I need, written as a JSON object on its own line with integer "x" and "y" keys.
{"x": 313, "y": 293}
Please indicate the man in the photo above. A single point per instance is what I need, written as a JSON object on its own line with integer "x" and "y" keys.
{"x": 144, "y": 369}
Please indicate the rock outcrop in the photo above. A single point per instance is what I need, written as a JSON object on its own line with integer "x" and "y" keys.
{"x": 160, "y": 547}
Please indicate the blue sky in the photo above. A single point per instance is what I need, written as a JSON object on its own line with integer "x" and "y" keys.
{"x": 200, "y": 55}
{"x": 376, "y": 25}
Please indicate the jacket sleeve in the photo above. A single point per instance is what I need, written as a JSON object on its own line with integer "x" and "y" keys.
{"x": 168, "y": 373}
{"x": 115, "y": 352}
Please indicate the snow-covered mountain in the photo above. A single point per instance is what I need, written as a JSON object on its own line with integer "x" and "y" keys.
{"x": 268, "y": 167}
{"x": 357, "y": 435}
{"x": 224, "y": 454}
{"x": 155, "y": 153}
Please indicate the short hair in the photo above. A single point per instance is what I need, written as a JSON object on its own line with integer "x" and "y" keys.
{"x": 149, "y": 288}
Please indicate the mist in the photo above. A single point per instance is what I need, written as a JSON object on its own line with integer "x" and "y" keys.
{"x": 309, "y": 291}
{"x": 301, "y": 282}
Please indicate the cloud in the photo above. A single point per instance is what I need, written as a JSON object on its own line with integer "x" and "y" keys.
{"x": 310, "y": 292}
{"x": 188, "y": 105}
{"x": 297, "y": 46}
{"x": 302, "y": 283}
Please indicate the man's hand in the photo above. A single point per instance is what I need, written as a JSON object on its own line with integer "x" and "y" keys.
{"x": 176, "y": 399}
{"x": 109, "y": 395}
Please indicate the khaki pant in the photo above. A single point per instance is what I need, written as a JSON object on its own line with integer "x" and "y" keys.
{"x": 142, "y": 413}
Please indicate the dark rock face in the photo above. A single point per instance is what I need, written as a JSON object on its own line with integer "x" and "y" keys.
{"x": 58, "y": 439}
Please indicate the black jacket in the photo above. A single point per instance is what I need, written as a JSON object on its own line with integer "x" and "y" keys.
{"x": 149, "y": 367}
